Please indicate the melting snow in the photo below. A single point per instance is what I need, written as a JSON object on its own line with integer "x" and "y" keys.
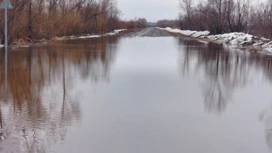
{"x": 115, "y": 32}
{"x": 237, "y": 39}
{"x": 187, "y": 32}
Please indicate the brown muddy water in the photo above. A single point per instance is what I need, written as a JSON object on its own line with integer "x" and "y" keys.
{"x": 135, "y": 95}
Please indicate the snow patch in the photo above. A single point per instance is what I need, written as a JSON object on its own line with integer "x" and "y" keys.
{"x": 115, "y": 32}
{"x": 268, "y": 50}
{"x": 234, "y": 39}
{"x": 120, "y": 30}
{"x": 89, "y": 36}
{"x": 187, "y": 32}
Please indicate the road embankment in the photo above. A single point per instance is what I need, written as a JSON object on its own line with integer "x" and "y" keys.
{"x": 235, "y": 40}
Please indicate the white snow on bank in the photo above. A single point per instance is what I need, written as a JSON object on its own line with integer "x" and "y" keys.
{"x": 234, "y": 39}
{"x": 187, "y": 32}
{"x": 119, "y": 30}
{"x": 115, "y": 32}
{"x": 88, "y": 36}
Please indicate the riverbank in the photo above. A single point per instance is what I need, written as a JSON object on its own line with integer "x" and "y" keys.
{"x": 236, "y": 40}
{"x": 21, "y": 43}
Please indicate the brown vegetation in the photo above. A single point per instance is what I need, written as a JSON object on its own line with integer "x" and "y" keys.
{"x": 222, "y": 16}
{"x": 131, "y": 24}
{"x": 38, "y": 19}
{"x": 168, "y": 23}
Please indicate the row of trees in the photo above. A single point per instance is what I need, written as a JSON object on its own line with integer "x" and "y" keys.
{"x": 37, "y": 19}
{"x": 136, "y": 23}
{"x": 167, "y": 23}
{"x": 221, "y": 16}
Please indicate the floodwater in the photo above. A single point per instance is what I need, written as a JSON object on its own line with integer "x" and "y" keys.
{"x": 135, "y": 95}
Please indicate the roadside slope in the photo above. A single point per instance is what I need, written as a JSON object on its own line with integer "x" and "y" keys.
{"x": 236, "y": 40}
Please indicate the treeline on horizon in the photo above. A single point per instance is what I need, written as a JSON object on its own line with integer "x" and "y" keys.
{"x": 168, "y": 23}
{"x": 223, "y": 16}
{"x": 31, "y": 20}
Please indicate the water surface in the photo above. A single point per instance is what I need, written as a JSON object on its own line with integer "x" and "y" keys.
{"x": 135, "y": 94}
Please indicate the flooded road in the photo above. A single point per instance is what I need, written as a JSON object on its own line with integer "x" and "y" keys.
{"x": 135, "y": 95}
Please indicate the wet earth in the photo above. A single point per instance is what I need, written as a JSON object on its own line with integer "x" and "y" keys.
{"x": 142, "y": 92}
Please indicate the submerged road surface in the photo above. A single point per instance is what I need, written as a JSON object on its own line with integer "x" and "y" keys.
{"x": 148, "y": 93}
{"x": 151, "y": 32}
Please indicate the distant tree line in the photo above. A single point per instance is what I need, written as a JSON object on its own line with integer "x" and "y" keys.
{"x": 136, "y": 23}
{"x": 222, "y": 16}
{"x": 167, "y": 23}
{"x": 37, "y": 19}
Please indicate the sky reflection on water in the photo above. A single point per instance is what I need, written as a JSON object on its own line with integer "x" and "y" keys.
{"x": 135, "y": 95}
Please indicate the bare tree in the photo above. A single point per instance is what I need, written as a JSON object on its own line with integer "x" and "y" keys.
{"x": 59, "y": 18}
{"x": 217, "y": 16}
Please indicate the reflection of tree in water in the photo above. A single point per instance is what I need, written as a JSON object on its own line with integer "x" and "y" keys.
{"x": 222, "y": 71}
{"x": 42, "y": 100}
{"x": 266, "y": 117}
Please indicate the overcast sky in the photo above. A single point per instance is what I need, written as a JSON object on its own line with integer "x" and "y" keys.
{"x": 152, "y": 10}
